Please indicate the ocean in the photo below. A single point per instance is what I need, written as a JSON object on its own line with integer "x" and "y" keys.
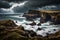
{"x": 19, "y": 20}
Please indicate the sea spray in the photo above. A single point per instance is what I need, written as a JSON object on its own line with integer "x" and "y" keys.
{"x": 46, "y": 28}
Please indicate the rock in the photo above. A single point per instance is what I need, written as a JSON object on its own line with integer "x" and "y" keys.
{"x": 57, "y": 21}
{"x": 42, "y": 20}
{"x": 30, "y": 33}
{"x": 33, "y": 23}
{"x": 29, "y": 19}
{"x": 39, "y": 24}
{"x": 7, "y": 23}
{"x": 20, "y": 27}
{"x": 32, "y": 14}
{"x": 39, "y": 29}
{"x": 47, "y": 17}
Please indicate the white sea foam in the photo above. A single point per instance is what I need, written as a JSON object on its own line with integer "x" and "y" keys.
{"x": 41, "y": 32}
{"x": 46, "y": 28}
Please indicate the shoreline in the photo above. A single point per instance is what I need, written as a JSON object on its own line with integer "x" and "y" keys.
{"x": 12, "y": 28}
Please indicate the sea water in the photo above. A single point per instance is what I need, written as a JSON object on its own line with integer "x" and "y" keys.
{"x": 19, "y": 20}
{"x": 45, "y": 27}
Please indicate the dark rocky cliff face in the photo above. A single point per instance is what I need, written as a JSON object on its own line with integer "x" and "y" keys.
{"x": 45, "y": 16}
{"x": 32, "y": 14}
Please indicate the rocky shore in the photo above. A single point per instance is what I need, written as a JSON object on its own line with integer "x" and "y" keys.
{"x": 45, "y": 15}
{"x": 10, "y": 31}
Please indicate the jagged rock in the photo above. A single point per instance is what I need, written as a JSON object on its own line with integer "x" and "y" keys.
{"x": 7, "y": 23}
{"x": 29, "y": 19}
{"x": 57, "y": 21}
{"x": 32, "y": 14}
{"x": 20, "y": 27}
{"x": 30, "y": 33}
{"x": 39, "y": 24}
{"x": 39, "y": 29}
{"x": 42, "y": 20}
{"x": 33, "y": 23}
{"x": 20, "y": 34}
{"x": 45, "y": 15}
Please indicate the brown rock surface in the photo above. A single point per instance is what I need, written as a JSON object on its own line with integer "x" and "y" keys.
{"x": 7, "y": 23}
{"x": 18, "y": 33}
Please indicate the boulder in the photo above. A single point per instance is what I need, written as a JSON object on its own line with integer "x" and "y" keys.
{"x": 33, "y": 23}
{"x": 39, "y": 24}
{"x": 39, "y": 29}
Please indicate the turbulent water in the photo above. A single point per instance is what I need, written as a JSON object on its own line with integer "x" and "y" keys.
{"x": 19, "y": 20}
{"x": 46, "y": 27}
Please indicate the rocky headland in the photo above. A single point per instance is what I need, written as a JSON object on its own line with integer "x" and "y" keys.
{"x": 10, "y": 31}
{"x": 45, "y": 15}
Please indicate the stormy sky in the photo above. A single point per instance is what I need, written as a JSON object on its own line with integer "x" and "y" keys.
{"x": 28, "y": 5}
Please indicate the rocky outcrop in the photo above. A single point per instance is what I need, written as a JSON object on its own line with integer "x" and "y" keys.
{"x": 45, "y": 15}
{"x": 33, "y": 23}
{"x": 7, "y": 23}
{"x": 18, "y": 33}
{"x": 32, "y": 14}
{"x": 57, "y": 20}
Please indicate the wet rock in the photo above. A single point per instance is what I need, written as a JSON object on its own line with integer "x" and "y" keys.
{"x": 32, "y": 14}
{"x": 57, "y": 21}
{"x": 39, "y": 29}
{"x": 39, "y": 24}
{"x": 54, "y": 29}
{"x": 29, "y": 19}
{"x": 42, "y": 20}
{"x": 47, "y": 17}
{"x": 33, "y": 23}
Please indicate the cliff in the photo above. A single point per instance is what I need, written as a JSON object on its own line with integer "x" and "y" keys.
{"x": 45, "y": 15}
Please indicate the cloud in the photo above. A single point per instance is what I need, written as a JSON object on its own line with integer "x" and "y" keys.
{"x": 4, "y": 4}
{"x": 37, "y": 3}
{"x": 15, "y": 8}
{"x": 3, "y": 11}
{"x": 50, "y": 7}
{"x": 31, "y": 4}
{"x": 13, "y": 0}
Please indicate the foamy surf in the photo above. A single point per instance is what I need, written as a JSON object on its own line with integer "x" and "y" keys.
{"x": 46, "y": 28}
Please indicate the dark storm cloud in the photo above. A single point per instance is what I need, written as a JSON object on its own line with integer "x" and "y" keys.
{"x": 35, "y": 4}
{"x": 40, "y": 3}
{"x": 4, "y": 4}
{"x": 31, "y": 4}
{"x": 13, "y": 0}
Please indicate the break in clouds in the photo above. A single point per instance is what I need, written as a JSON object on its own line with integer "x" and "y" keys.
{"x": 21, "y": 6}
